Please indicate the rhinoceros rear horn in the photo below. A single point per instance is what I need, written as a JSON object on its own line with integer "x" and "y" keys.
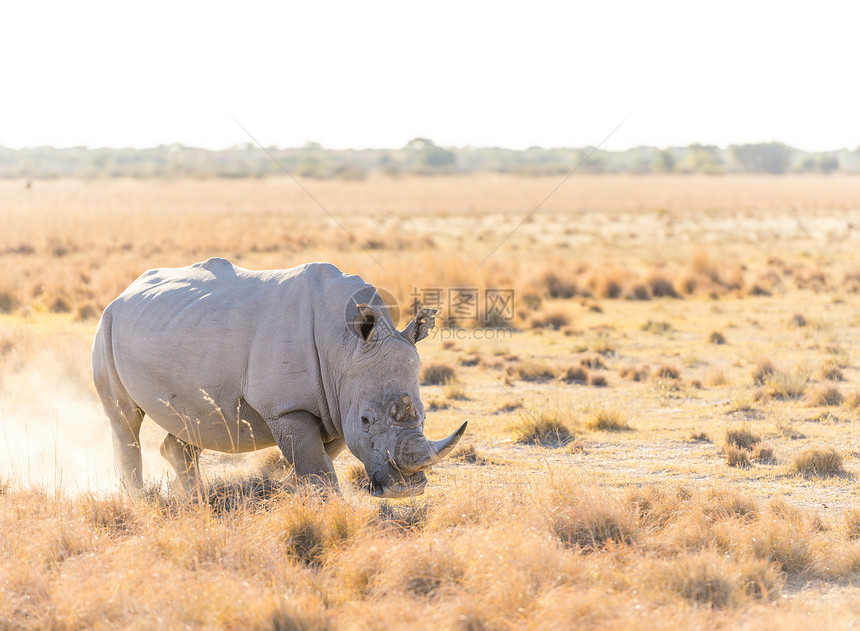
{"x": 416, "y": 452}
{"x": 420, "y": 326}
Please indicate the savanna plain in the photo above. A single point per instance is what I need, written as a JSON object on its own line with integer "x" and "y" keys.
{"x": 663, "y": 428}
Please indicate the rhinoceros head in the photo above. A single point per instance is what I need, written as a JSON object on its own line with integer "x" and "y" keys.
{"x": 382, "y": 413}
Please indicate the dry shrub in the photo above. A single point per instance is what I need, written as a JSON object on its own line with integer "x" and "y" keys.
{"x": 699, "y": 437}
{"x": 743, "y": 447}
{"x": 720, "y": 503}
{"x": 356, "y": 476}
{"x": 830, "y": 371}
{"x": 597, "y": 381}
{"x": 554, "y": 320}
{"x": 546, "y": 428}
{"x": 852, "y": 523}
{"x": 787, "y": 544}
{"x": 665, "y": 371}
{"x": 592, "y": 362}
{"x": 661, "y": 286}
{"x": 741, "y": 437}
{"x": 852, "y": 400}
{"x": 716, "y": 337}
{"x": 455, "y": 390}
{"x": 305, "y": 613}
{"x": 421, "y": 568}
{"x": 111, "y": 514}
{"x": 657, "y": 327}
{"x": 763, "y": 454}
{"x": 714, "y": 581}
{"x": 556, "y": 287}
{"x": 405, "y": 516}
{"x": 86, "y": 312}
{"x": 763, "y": 370}
{"x": 607, "y": 420}
{"x": 576, "y": 374}
{"x": 310, "y": 526}
{"x": 656, "y": 506}
{"x": 467, "y": 453}
{"x": 538, "y": 371}
{"x": 737, "y": 457}
{"x": 635, "y": 373}
{"x": 824, "y": 396}
{"x": 818, "y": 462}
{"x": 786, "y": 384}
{"x": 436, "y": 374}
{"x": 797, "y": 321}
{"x": 715, "y": 377}
{"x": 467, "y": 506}
{"x": 8, "y": 299}
{"x": 603, "y": 345}
{"x": 586, "y": 520}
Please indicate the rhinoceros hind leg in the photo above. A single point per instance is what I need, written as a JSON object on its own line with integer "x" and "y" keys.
{"x": 298, "y": 437}
{"x": 125, "y": 422}
{"x": 183, "y": 457}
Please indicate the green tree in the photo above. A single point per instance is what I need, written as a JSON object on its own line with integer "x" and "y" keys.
{"x": 771, "y": 157}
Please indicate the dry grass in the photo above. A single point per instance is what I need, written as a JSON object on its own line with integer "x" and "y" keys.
{"x": 455, "y": 390}
{"x": 436, "y": 374}
{"x": 818, "y": 462}
{"x": 545, "y": 428}
{"x": 786, "y": 384}
{"x": 607, "y": 420}
{"x": 607, "y": 530}
{"x": 576, "y": 374}
{"x": 824, "y": 396}
{"x": 538, "y": 371}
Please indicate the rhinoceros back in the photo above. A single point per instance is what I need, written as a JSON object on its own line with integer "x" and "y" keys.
{"x": 211, "y": 350}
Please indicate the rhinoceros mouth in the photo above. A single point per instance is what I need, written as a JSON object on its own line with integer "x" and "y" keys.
{"x": 394, "y": 490}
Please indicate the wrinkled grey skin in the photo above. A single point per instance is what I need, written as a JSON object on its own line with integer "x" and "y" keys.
{"x": 235, "y": 360}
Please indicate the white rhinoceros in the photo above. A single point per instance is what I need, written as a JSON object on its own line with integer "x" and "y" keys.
{"x": 234, "y": 360}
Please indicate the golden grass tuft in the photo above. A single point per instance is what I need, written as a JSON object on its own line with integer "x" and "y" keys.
{"x": 537, "y": 371}
{"x": 851, "y": 518}
{"x": 467, "y": 453}
{"x": 587, "y": 522}
{"x": 605, "y": 419}
{"x": 554, "y": 320}
{"x": 436, "y": 374}
{"x": 635, "y": 373}
{"x": 764, "y": 369}
{"x": 824, "y": 396}
{"x": 547, "y": 428}
{"x": 713, "y": 581}
{"x": 716, "y": 337}
{"x": 575, "y": 374}
{"x": 818, "y": 462}
{"x": 741, "y": 437}
{"x": 455, "y": 390}
{"x": 667, "y": 371}
{"x": 786, "y": 384}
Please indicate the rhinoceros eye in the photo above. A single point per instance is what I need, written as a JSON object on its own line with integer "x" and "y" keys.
{"x": 365, "y": 421}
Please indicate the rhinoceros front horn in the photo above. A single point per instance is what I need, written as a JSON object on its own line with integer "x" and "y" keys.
{"x": 416, "y": 452}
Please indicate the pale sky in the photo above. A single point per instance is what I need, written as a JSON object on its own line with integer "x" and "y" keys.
{"x": 376, "y": 74}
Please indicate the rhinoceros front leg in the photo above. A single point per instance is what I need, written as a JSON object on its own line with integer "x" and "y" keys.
{"x": 299, "y": 439}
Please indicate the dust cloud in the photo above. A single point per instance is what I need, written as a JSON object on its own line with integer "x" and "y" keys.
{"x": 54, "y": 434}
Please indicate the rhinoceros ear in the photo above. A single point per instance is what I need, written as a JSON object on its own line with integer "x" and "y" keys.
{"x": 364, "y": 323}
{"x": 420, "y": 327}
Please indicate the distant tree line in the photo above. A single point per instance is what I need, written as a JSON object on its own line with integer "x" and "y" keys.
{"x": 419, "y": 156}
